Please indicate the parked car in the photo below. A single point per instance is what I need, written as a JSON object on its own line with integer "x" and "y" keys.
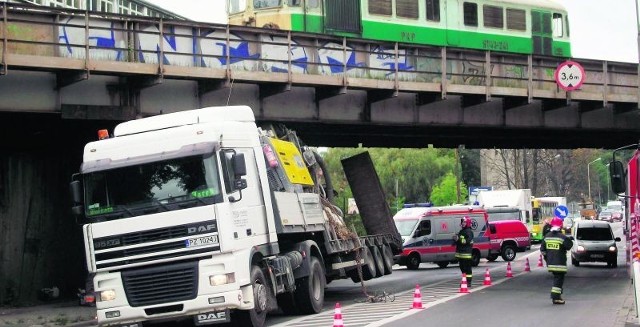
{"x": 507, "y": 238}
{"x": 594, "y": 242}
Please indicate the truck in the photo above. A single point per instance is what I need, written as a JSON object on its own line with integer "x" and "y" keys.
{"x": 519, "y": 198}
{"x": 625, "y": 182}
{"x": 202, "y": 215}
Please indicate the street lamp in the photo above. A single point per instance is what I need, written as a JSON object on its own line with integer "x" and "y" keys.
{"x": 589, "y": 177}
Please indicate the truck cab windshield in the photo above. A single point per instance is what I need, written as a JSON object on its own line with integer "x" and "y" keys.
{"x": 152, "y": 187}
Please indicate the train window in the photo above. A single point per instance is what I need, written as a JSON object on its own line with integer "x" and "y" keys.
{"x": 558, "y": 30}
{"x": 516, "y": 19}
{"x": 236, "y": 6}
{"x": 265, "y": 3}
{"x": 294, "y": 3}
{"x": 493, "y": 16}
{"x": 470, "y": 13}
{"x": 433, "y": 10}
{"x": 407, "y": 8}
{"x": 380, "y": 7}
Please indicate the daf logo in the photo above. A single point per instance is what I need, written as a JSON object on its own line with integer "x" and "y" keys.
{"x": 201, "y": 229}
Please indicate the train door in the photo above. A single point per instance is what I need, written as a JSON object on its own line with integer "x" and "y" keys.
{"x": 313, "y": 17}
{"x": 541, "y": 32}
{"x": 343, "y": 16}
{"x": 453, "y": 21}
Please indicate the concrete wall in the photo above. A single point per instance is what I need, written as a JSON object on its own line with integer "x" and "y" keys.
{"x": 40, "y": 244}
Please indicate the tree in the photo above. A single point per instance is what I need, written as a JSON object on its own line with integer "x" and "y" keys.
{"x": 445, "y": 192}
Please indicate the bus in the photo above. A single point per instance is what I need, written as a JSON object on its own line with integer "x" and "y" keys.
{"x": 542, "y": 213}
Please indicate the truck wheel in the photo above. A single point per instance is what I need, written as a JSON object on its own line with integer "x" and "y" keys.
{"x": 442, "y": 264}
{"x": 309, "y": 292}
{"x": 413, "y": 261}
{"x": 377, "y": 260}
{"x": 508, "y": 252}
{"x": 257, "y": 315}
{"x": 475, "y": 258}
{"x": 493, "y": 257}
{"x": 387, "y": 258}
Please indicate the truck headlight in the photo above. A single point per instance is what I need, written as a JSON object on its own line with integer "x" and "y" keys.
{"x": 222, "y": 279}
{"x": 108, "y": 295}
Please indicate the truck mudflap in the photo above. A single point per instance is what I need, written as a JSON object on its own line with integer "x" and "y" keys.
{"x": 367, "y": 191}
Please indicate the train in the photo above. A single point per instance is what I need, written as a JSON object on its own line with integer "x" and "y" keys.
{"x": 538, "y": 27}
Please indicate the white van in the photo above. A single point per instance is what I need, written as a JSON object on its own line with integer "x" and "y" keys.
{"x": 427, "y": 234}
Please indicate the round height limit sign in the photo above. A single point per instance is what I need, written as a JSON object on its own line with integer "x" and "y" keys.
{"x": 569, "y": 75}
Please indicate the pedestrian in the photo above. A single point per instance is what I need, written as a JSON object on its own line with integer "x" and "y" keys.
{"x": 464, "y": 247}
{"x": 554, "y": 249}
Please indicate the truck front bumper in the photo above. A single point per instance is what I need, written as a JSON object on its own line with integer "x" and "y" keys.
{"x": 126, "y": 315}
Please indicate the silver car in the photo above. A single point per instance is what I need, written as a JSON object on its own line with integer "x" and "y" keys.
{"x": 594, "y": 242}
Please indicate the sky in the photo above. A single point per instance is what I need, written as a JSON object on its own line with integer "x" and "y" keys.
{"x": 602, "y": 30}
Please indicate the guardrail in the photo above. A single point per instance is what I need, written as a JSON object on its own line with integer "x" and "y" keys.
{"x": 43, "y": 38}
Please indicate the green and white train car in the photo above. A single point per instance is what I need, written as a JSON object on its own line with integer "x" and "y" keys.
{"x": 538, "y": 27}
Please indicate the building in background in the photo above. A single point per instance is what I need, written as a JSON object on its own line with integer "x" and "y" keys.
{"x": 124, "y": 7}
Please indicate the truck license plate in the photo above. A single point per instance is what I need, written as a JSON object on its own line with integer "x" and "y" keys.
{"x": 201, "y": 241}
{"x": 209, "y": 318}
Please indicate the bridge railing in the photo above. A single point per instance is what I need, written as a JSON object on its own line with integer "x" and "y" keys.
{"x": 42, "y": 38}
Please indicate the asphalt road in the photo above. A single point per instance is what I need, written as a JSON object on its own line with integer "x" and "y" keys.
{"x": 596, "y": 296}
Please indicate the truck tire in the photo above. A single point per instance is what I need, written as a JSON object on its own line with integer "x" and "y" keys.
{"x": 367, "y": 264}
{"x": 413, "y": 261}
{"x": 287, "y": 303}
{"x": 442, "y": 264}
{"x": 475, "y": 258}
{"x": 257, "y": 315}
{"x": 309, "y": 292}
{"x": 508, "y": 252}
{"x": 387, "y": 258}
{"x": 377, "y": 260}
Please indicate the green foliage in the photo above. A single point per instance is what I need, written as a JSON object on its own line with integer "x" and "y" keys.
{"x": 445, "y": 193}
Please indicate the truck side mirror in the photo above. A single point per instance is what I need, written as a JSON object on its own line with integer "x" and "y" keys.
{"x": 77, "y": 209}
{"x": 239, "y": 166}
{"x": 616, "y": 174}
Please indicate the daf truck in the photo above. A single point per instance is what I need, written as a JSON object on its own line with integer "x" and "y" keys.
{"x": 204, "y": 216}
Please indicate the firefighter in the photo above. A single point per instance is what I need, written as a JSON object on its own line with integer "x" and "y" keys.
{"x": 464, "y": 247}
{"x": 554, "y": 249}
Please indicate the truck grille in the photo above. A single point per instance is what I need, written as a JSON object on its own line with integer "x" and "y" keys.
{"x": 152, "y": 245}
{"x": 161, "y": 284}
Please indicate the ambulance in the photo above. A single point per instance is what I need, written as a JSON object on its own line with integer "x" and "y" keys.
{"x": 427, "y": 234}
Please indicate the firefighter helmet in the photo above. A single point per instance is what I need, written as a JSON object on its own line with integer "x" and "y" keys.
{"x": 465, "y": 222}
{"x": 556, "y": 222}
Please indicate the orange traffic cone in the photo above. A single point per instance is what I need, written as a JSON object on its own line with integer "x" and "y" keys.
{"x": 526, "y": 265}
{"x": 540, "y": 261}
{"x": 509, "y": 273}
{"x": 463, "y": 284}
{"x": 337, "y": 316}
{"x": 487, "y": 277}
{"x": 417, "y": 299}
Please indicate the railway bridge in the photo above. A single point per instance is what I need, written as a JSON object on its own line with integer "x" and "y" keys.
{"x": 66, "y": 73}
{"x": 76, "y": 68}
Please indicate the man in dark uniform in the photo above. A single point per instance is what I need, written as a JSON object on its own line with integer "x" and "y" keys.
{"x": 464, "y": 247}
{"x": 554, "y": 249}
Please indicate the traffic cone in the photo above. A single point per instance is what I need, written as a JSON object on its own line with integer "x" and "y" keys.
{"x": 463, "y": 284}
{"x": 509, "y": 273}
{"x": 540, "y": 261}
{"x": 526, "y": 265}
{"x": 487, "y": 277}
{"x": 417, "y": 299}
{"x": 337, "y": 316}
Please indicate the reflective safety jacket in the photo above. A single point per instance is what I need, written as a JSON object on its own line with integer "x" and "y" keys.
{"x": 464, "y": 243}
{"x": 554, "y": 248}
